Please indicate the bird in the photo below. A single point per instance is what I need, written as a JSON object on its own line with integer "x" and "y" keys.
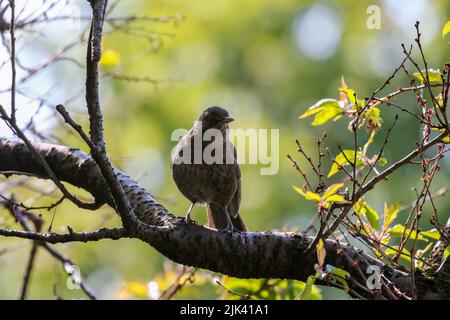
{"x": 215, "y": 184}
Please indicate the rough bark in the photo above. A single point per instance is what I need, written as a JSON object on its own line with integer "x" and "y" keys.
{"x": 246, "y": 255}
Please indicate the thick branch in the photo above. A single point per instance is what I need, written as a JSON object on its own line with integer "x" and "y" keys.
{"x": 247, "y": 255}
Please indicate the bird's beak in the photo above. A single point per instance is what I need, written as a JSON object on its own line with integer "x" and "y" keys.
{"x": 228, "y": 120}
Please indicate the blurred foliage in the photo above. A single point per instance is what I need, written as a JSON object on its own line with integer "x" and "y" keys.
{"x": 254, "y": 58}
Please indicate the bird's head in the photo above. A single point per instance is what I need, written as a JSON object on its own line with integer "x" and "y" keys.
{"x": 215, "y": 118}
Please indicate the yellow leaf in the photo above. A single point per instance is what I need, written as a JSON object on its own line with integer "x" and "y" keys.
{"x": 446, "y": 29}
{"x": 390, "y": 213}
{"x": 327, "y": 114}
{"x": 320, "y": 106}
{"x": 308, "y": 195}
{"x": 336, "y": 198}
{"x": 362, "y": 208}
{"x": 321, "y": 253}
{"x": 110, "y": 59}
{"x": 332, "y": 189}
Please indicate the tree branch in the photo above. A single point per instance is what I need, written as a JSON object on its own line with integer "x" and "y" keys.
{"x": 245, "y": 255}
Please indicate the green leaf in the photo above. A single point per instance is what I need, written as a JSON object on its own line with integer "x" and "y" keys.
{"x": 362, "y": 208}
{"x": 390, "y": 213}
{"x": 341, "y": 160}
{"x": 433, "y": 234}
{"x": 434, "y": 75}
{"x": 337, "y": 271}
{"x": 339, "y": 275}
{"x": 398, "y": 230}
{"x": 327, "y": 114}
{"x": 405, "y": 255}
{"x": 447, "y": 252}
{"x": 319, "y": 106}
{"x": 446, "y": 29}
{"x": 444, "y": 258}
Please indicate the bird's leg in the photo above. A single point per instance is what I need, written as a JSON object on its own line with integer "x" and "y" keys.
{"x": 230, "y": 227}
{"x": 188, "y": 214}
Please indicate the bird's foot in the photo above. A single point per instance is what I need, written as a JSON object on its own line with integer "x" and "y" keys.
{"x": 231, "y": 229}
{"x": 189, "y": 219}
{"x": 188, "y": 214}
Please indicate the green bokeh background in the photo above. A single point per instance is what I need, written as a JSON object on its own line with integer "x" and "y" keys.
{"x": 242, "y": 55}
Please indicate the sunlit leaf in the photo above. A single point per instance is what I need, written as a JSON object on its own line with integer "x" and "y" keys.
{"x": 350, "y": 93}
{"x": 332, "y": 189}
{"x": 446, "y": 29}
{"x": 405, "y": 254}
{"x": 319, "y": 106}
{"x": 362, "y": 208}
{"x": 339, "y": 275}
{"x": 308, "y": 195}
{"x": 321, "y": 253}
{"x": 433, "y": 234}
{"x": 398, "y": 230}
{"x": 446, "y": 138}
{"x": 444, "y": 257}
{"x": 390, "y": 213}
{"x": 366, "y": 229}
{"x": 434, "y": 75}
{"x": 341, "y": 161}
{"x": 447, "y": 252}
{"x": 330, "y": 195}
{"x": 327, "y": 114}
{"x": 336, "y": 198}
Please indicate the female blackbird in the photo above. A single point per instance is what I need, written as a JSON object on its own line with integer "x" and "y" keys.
{"x": 217, "y": 183}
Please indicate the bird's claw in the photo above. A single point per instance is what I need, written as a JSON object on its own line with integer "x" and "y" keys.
{"x": 188, "y": 219}
{"x": 231, "y": 229}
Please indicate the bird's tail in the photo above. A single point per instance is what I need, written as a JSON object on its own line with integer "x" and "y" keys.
{"x": 217, "y": 218}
